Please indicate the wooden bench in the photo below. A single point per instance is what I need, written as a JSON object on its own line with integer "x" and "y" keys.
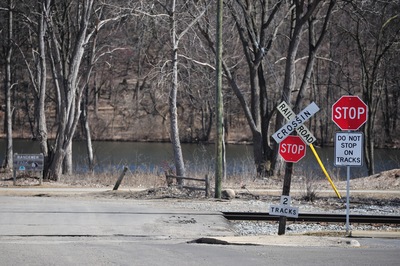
{"x": 206, "y": 181}
{"x": 28, "y": 163}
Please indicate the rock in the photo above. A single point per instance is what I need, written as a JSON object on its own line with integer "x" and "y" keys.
{"x": 228, "y": 194}
{"x": 353, "y": 243}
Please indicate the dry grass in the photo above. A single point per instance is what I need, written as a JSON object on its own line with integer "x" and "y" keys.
{"x": 311, "y": 186}
{"x": 137, "y": 179}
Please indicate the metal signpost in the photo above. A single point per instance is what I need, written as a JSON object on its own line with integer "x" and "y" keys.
{"x": 349, "y": 113}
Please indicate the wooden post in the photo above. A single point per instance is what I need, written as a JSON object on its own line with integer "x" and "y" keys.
{"x": 14, "y": 176}
{"x": 285, "y": 192}
{"x": 120, "y": 178}
{"x": 207, "y": 181}
{"x": 219, "y": 105}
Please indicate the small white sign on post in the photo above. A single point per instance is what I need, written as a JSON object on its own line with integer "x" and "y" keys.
{"x": 284, "y": 209}
{"x": 349, "y": 148}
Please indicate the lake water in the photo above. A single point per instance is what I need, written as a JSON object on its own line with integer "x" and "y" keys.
{"x": 158, "y": 157}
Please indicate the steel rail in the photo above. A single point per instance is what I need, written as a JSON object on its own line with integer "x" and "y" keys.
{"x": 314, "y": 217}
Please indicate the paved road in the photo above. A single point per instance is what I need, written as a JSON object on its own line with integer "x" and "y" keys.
{"x": 76, "y": 231}
{"x": 134, "y": 251}
{"x": 45, "y": 216}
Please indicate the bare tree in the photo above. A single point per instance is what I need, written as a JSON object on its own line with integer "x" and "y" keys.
{"x": 175, "y": 38}
{"x": 254, "y": 21}
{"x": 376, "y": 29}
{"x": 300, "y": 16}
{"x": 8, "y": 85}
{"x": 258, "y": 23}
{"x": 176, "y": 143}
{"x": 391, "y": 100}
{"x": 72, "y": 26}
{"x": 44, "y": 9}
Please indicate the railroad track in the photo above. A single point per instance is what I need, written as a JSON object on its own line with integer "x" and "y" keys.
{"x": 315, "y": 217}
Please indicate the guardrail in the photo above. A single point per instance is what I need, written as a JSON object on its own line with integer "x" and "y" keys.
{"x": 28, "y": 163}
{"x": 206, "y": 181}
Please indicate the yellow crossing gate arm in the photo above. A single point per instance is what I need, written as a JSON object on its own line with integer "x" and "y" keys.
{"x": 324, "y": 170}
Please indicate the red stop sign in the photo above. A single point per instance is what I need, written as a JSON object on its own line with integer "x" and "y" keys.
{"x": 292, "y": 149}
{"x": 349, "y": 113}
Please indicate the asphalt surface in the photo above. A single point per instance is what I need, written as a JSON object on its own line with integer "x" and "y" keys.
{"x": 47, "y": 216}
{"x": 44, "y": 230}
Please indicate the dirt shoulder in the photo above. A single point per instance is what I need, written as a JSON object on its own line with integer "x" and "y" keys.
{"x": 384, "y": 185}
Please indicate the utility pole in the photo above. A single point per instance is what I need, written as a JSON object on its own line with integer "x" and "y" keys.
{"x": 219, "y": 144}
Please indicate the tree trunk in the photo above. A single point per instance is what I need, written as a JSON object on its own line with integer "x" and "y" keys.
{"x": 289, "y": 83}
{"x": 8, "y": 88}
{"x": 67, "y": 163}
{"x": 42, "y": 126}
{"x": 175, "y": 140}
{"x": 219, "y": 107}
{"x": 369, "y": 143}
{"x": 86, "y": 129}
{"x": 253, "y": 29}
{"x": 299, "y": 19}
{"x": 70, "y": 90}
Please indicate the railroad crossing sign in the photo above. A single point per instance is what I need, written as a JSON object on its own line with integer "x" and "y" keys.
{"x": 302, "y": 130}
{"x": 349, "y": 149}
{"x": 349, "y": 113}
{"x": 295, "y": 122}
{"x": 307, "y": 137}
{"x": 284, "y": 209}
{"x": 292, "y": 149}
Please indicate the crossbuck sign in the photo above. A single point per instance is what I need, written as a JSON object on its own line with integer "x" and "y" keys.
{"x": 302, "y": 130}
{"x": 296, "y": 122}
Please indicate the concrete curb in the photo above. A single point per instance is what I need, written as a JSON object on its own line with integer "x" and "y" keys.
{"x": 287, "y": 240}
{"x": 300, "y": 240}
